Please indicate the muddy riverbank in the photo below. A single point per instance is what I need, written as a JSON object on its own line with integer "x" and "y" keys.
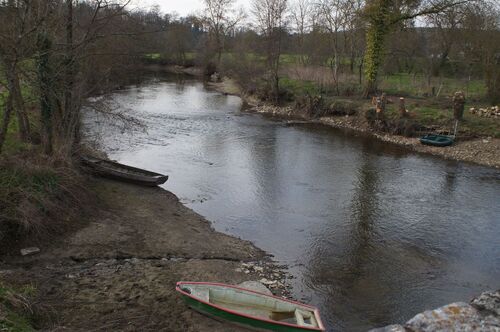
{"x": 117, "y": 270}
{"x": 481, "y": 151}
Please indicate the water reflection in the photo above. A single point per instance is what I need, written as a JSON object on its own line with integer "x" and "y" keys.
{"x": 372, "y": 233}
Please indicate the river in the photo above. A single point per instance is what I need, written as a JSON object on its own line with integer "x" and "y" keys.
{"x": 372, "y": 233}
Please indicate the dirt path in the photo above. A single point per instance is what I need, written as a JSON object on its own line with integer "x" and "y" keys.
{"x": 118, "y": 271}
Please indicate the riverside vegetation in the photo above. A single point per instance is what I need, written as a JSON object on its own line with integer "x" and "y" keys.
{"x": 325, "y": 61}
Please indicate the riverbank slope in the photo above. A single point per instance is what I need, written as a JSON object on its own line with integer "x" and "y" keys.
{"x": 483, "y": 151}
{"x": 117, "y": 270}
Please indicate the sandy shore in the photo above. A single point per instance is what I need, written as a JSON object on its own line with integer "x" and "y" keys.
{"x": 117, "y": 269}
{"x": 482, "y": 151}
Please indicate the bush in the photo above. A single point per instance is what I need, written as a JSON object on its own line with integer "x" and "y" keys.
{"x": 310, "y": 105}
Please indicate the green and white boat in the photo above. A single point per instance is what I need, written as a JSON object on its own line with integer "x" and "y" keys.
{"x": 249, "y": 308}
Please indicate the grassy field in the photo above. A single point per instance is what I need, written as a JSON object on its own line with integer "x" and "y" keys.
{"x": 404, "y": 84}
{"x": 416, "y": 85}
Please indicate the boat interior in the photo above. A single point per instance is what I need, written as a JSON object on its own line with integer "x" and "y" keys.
{"x": 253, "y": 304}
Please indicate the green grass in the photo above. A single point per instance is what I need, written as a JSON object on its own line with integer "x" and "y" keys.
{"x": 11, "y": 319}
{"x": 484, "y": 126}
{"x": 153, "y": 56}
{"x": 158, "y": 56}
{"x": 298, "y": 87}
{"x": 18, "y": 184}
{"x": 38, "y": 181}
{"x": 416, "y": 85}
{"x": 12, "y": 143}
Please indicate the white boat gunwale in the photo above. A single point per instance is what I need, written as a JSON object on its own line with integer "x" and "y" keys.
{"x": 308, "y": 328}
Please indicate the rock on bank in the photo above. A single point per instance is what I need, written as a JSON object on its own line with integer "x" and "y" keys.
{"x": 482, "y": 314}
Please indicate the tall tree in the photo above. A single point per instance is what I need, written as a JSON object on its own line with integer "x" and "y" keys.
{"x": 382, "y": 16}
{"x": 335, "y": 15}
{"x": 70, "y": 116}
{"x": 300, "y": 13}
{"x": 221, "y": 17}
{"x": 270, "y": 16}
{"x": 45, "y": 77}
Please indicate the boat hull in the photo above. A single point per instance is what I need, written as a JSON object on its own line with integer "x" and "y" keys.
{"x": 117, "y": 171}
{"x": 236, "y": 318}
{"x": 436, "y": 140}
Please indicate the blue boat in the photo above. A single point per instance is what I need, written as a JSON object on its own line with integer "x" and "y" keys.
{"x": 437, "y": 140}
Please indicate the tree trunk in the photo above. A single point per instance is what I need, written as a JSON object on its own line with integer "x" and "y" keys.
{"x": 381, "y": 102}
{"x": 44, "y": 79}
{"x": 375, "y": 38}
{"x": 402, "y": 108}
{"x": 458, "y": 105}
{"x": 5, "y": 121}
{"x": 17, "y": 103}
{"x": 20, "y": 106}
{"x": 70, "y": 118}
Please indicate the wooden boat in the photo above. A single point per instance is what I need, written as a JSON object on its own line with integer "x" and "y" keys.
{"x": 437, "y": 140}
{"x": 122, "y": 172}
{"x": 249, "y": 308}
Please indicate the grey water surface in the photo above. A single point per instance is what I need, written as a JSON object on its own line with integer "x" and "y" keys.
{"x": 373, "y": 234}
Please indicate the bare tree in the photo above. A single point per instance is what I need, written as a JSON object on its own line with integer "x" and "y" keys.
{"x": 270, "y": 17}
{"x": 300, "y": 13}
{"x": 480, "y": 39}
{"x": 335, "y": 15}
{"x": 221, "y": 17}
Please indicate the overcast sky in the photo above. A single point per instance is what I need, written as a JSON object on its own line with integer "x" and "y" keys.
{"x": 183, "y": 7}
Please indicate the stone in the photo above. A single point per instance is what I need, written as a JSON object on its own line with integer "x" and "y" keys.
{"x": 258, "y": 269}
{"x": 267, "y": 282}
{"x": 255, "y": 286}
{"x": 488, "y": 301}
{"x": 390, "y": 328}
{"x": 30, "y": 251}
{"x": 457, "y": 316}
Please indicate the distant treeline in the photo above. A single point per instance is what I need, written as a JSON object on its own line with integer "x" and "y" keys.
{"x": 54, "y": 54}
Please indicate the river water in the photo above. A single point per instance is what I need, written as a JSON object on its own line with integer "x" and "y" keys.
{"x": 373, "y": 234}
